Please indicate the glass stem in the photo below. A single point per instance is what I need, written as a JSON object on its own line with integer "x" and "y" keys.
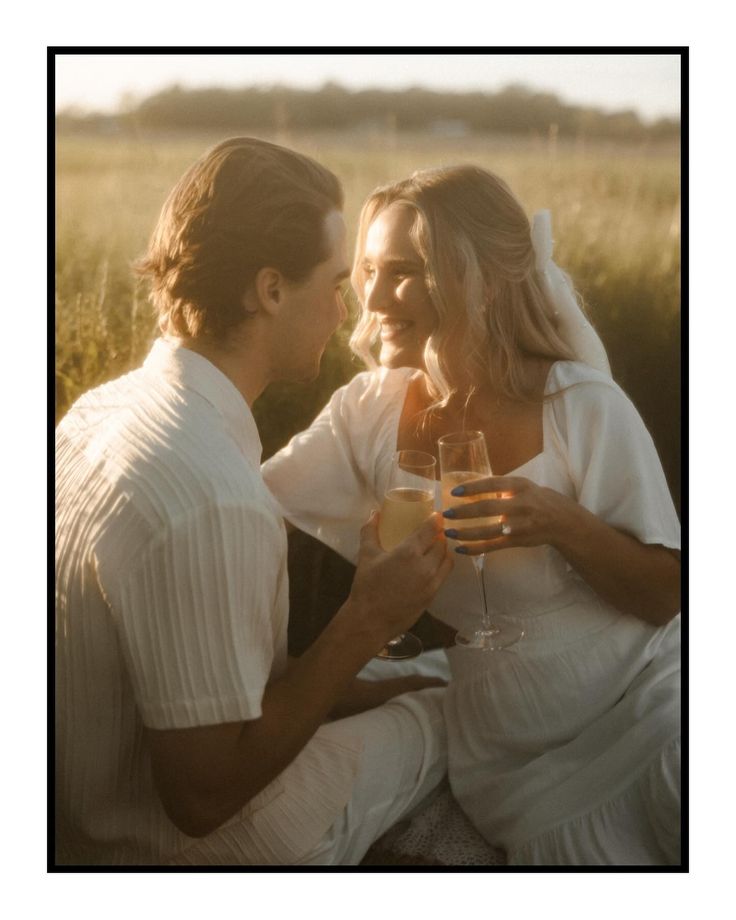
{"x": 486, "y": 624}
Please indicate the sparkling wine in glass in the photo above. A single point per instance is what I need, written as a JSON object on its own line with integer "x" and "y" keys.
{"x": 408, "y": 502}
{"x": 463, "y": 458}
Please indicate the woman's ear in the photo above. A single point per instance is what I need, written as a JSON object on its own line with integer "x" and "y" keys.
{"x": 266, "y": 293}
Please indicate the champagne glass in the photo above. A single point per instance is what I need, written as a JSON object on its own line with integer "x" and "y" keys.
{"x": 408, "y": 502}
{"x": 463, "y": 458}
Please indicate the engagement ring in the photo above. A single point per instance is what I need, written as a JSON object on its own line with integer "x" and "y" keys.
{"x": 505, "y": 529}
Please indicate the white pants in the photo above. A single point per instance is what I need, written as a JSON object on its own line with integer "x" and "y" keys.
{"x": 404, "y": 759}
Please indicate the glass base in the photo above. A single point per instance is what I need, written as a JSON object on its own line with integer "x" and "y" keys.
{"x": 404, "y": 646}
{"x": 499, "y": 636}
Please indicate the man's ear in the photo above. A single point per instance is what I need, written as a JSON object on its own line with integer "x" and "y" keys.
{"x": 267, "y": 292}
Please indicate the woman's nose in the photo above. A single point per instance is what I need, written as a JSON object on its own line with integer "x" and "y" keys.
{"x": 376, "y": 296}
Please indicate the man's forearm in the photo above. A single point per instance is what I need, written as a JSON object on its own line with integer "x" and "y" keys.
{"x": 205, "y": 775}
{"x": 251, "y": 754}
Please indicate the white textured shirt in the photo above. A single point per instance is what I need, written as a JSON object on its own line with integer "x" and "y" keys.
{"x": 172, "y": 609}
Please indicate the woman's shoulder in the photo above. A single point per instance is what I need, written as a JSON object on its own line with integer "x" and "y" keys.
{"x": 564, "y": 374}
{"x": 574, "y": 384}
{"x": 582, "y": 399}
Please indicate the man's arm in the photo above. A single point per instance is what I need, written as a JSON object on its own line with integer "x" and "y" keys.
{"x": 205, "y": 775}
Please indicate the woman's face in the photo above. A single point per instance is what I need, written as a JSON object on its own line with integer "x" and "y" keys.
{"x": 394, "y": 289}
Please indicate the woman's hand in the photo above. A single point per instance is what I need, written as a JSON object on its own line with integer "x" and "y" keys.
{"x": 637, "y": 578}
{"x": 527, "y": 514}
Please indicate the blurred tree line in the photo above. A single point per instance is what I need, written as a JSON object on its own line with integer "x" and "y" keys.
{"x": 514, "y": 110}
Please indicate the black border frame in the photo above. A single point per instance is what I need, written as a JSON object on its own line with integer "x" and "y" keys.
{"x": 683, "y": 51}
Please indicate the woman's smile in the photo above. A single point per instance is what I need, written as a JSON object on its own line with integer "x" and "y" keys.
{"x": 395, "y": 290}
{"x": 394, "y": 329}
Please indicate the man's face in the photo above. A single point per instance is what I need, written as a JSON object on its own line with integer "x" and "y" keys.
{"x": 315, "y": 308}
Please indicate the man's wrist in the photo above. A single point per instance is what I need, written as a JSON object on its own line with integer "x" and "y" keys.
{"x": 359, "y": 626}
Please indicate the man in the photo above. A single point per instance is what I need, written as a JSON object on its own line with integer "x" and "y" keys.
{"x": 183, "y": 735}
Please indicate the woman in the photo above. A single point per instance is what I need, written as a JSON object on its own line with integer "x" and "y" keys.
{"x": 564, "y": 750}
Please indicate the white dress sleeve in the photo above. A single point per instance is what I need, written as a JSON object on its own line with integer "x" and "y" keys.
{"x": 324, "y": 479}
{"x": 611, "y": 457}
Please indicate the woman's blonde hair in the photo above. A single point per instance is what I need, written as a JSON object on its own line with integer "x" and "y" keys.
{"x": 475, "y": 241}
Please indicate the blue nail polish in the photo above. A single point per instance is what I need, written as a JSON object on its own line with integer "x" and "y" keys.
{"x": 449, "y": 513}
{"x": 458, "y": 490}
{"x": 452, "y": 534}
{"x": 462, "y": 549}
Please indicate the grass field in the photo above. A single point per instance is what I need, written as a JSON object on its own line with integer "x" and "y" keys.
{"x": 616, "y": 217}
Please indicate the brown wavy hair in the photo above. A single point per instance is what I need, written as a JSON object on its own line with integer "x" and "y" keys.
{"x": 475, "y": 241}
{"x": 245, "y": 205}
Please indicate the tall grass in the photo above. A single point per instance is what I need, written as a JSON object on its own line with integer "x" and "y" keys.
{"x": 616, "y": 218}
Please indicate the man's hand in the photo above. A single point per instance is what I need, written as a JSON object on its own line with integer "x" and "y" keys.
{"x": 391, "y": 589}
{"x": 205, "y": 775}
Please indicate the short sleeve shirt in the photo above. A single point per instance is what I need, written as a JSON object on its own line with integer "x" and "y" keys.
{"x": 172, "y": 592}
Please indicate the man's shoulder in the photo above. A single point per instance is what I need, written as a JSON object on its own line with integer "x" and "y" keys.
{"x": 162, "y": 445}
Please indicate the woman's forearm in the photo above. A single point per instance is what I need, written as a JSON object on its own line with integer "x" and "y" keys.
{"x": 637, "y": 578}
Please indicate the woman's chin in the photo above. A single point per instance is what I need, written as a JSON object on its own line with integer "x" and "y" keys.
{"x": 393, "y": 357}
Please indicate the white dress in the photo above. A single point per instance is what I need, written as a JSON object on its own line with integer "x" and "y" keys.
{"x": 563, "y": 750}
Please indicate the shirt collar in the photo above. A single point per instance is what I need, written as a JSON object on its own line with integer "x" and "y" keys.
{"x": 185, "y": 368}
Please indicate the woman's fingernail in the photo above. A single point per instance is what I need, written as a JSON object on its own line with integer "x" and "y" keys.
{"x": 452, "y": 534}
{"x": 458, "y": 490}
{"x": 449, "y": 513}
{"x": 462, "y": 549}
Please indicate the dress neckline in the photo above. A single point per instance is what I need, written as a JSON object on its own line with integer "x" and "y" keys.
{"x": 396, "y": 421}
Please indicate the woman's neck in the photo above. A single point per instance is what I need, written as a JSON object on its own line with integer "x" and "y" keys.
{"x": 486, "y": 401}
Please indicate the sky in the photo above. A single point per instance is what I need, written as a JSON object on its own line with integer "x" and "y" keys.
{"x": 647, "y": 83}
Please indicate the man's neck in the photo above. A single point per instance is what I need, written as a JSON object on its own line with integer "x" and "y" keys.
{"x": 243, "y": 361}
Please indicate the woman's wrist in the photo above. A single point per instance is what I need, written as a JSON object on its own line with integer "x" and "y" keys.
{"x": 571, "y": 526}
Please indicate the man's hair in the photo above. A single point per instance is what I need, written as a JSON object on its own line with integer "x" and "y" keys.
{"x": 475, "y": 241}
{"x": 245, "y": 205}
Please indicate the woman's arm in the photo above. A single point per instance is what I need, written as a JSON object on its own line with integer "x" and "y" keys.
{"x": 637, "y": 578}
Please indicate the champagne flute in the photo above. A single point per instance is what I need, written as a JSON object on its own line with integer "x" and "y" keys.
{"x": 408, "y": 502}
{"x": 463, "y": 458}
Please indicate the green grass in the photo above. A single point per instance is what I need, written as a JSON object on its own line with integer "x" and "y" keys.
{"x": 616, "y": 214}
